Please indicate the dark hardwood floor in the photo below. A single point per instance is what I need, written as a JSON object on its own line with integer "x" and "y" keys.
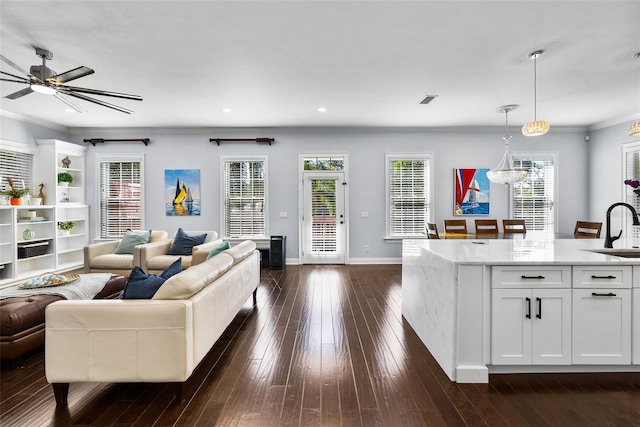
{"x": 325, "y": 345}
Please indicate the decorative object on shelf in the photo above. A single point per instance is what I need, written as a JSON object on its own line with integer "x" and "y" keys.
{"x": 14, "y": 193}
{"x": 64, "y": 227}
{"x": 505, "y": 173}
{"x": 35, "y": 200}
{"x": 64, "y": 179}
{"x": 258, "y": 140}
{"x": 634, "y": 128}
{"x": 28, "y": 234}
{"x": 66, "y": 162}
{"x": 633, "y": 184}
{"x": 41, "y": 193}
{"x": 471, "y": 192}
{"x": 48, "y": 280}
{"x": 94, "y": 141}
{"x": 536, "y": 127}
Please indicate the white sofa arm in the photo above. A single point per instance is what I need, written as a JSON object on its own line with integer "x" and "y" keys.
{"x": 200, "y": 252}
{"x": 149, "y": 250}
{"x": 119, "y": 341}
{"x": 102, "y": 248}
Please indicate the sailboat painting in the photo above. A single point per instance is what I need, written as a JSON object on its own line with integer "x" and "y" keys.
{"x": 182, "y": 192}
{"x": 471, "y": 192}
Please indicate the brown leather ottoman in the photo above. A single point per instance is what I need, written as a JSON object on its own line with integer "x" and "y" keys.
{"x": 22, "y": 320}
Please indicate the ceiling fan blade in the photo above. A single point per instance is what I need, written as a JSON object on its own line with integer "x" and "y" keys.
{"x": 70, "y": 102}
{"x": 96, "y": 101}
{"x": 100, "y": 92}
{"x": 22, "y": 79}
{"x": 20, "y": 93}
{"x": 16, "y": 66}
{"x": 67, "y": 76}
{"x": 15, "y": 81}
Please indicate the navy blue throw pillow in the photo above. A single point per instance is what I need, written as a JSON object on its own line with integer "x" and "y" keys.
{"x": 183, "y": 243}
{"x": 141, "y": 285}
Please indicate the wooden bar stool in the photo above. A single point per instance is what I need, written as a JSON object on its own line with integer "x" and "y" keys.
{"x": 514, "y": 226}
{"x": 486, "y": 226}
{"x": 587, "y": 230}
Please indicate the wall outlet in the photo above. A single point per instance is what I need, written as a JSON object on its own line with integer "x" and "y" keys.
{"x": 284, "y": 215}
{"x": 364, "y": 214}
{"x": 366, "y": 248}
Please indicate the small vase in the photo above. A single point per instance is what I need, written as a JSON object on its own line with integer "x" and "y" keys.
{"x": 36, "y": 201}
{"x": 63, "y": 184}
{"x": 28, "y": 234}
{"x": 63, "y": 233}
{"x": 16, "y": 201}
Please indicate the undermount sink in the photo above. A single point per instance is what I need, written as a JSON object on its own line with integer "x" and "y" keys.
{"x": 623, "y": 253}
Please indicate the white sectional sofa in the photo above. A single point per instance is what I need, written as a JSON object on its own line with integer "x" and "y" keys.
{"x": 158, "y": 340}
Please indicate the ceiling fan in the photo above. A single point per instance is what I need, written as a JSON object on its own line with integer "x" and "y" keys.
{"x": 43, "y": 79}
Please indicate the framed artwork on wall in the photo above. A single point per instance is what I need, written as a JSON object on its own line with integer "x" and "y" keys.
{"x": 471, "y": 192}
{"x": 182, "y": 192}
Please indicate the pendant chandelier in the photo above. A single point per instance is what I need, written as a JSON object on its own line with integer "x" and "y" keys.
{"x": 634, "y": 129}
{"x": 505, "y": 173}
{"x": 536, "y": 127}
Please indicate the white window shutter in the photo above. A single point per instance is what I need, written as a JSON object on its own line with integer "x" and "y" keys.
{"x": 244, "y": 199}
{"x": 120, "y": 198}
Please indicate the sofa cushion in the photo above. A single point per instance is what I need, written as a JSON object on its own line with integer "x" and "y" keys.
{"x": 112, "y": 262}
{"x": 241, "y": 250}
{"x": 183, "y": 243}
{"x": 159, "y": 262}
{"x": 131, "y": 239}
{"x": 190, "y": 282}
{"x": 221, "y": 247}
{"x": 143, "y": 286}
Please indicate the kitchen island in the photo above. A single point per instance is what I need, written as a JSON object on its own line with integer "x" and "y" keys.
{"x": 523, "y": 305}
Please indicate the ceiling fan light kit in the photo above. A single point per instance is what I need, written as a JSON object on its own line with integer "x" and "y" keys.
{"x": 44, "y": 80}
{"x": 536, "y": 127}
{"x": 505, "y": 173}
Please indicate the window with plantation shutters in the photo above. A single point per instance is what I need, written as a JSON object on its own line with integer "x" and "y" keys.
{"x": 408, "y": 189}
{"x": 631, "y": 161}
{"x": 16, "y": 163}
{"x": 533, "y": 199}
{"x": 120, "y": 196}
{"x": 244, "y": 195}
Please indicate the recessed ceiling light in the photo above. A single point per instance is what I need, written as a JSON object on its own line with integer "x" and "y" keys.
{"x": 226, "y": 110}
{"x": 322, "y": 110}
{"x": 69, "y": 110}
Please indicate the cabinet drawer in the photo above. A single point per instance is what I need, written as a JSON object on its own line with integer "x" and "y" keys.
{"x": 600, "y": 276}
{"x": 531, "y": 277}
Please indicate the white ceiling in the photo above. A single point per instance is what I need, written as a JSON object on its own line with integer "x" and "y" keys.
{"x": 273, "y": 63}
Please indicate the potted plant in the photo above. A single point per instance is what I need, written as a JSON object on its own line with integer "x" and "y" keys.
{"x": 64, "y": 227}
{"x": 64, "y": 179}
{"x": 36, "y": 200}
{"x": 15, "y": 194}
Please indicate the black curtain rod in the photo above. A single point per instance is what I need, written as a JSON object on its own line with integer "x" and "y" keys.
{"x": 94, "y": 141}
{"x": 258, "y": 140}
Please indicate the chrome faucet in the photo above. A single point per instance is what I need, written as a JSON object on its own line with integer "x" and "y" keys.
{"x": 608, "y": 241}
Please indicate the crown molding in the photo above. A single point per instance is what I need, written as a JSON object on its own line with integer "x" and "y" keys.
{"x": 35, "y": 121}
{"x": 614, "y": 122}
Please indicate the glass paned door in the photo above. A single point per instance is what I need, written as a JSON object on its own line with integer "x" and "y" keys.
{"x": 324, "y": 222}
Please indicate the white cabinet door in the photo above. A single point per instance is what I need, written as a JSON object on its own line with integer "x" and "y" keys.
{"x": 511, "y": 326}
{"x": 551, "y": 325}
{"x": 531, "y": 327}
{"x": 602, "y": 326}
{"x": 636, "y": 326}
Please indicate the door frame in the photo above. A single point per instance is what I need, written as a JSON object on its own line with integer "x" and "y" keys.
{"x": 301, "y": 171}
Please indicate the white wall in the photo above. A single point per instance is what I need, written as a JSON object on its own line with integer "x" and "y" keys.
{"x": 191, "y": 149}
{"x": 606, "y": 181}
{"x": 366, "y": 179}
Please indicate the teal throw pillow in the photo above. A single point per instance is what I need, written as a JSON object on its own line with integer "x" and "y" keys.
{"x": 141, "y": 285}
{"x": 183, "y": 243}
{"x": 131, "y": 239}
{"x": 221, "y": 247}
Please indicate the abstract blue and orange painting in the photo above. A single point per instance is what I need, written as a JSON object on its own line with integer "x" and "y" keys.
{"x": 471, "y": 192}
{"x": 182, "y": 192}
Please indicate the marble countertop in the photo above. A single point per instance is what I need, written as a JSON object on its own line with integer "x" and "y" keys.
{"x": 523, "y": 251}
